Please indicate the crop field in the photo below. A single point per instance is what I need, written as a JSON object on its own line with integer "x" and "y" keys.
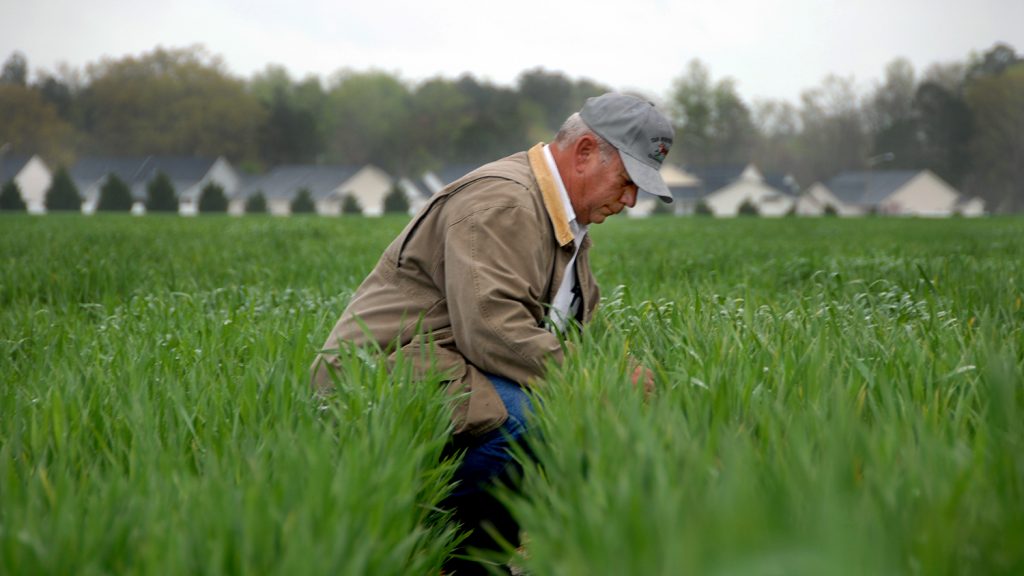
{"x": 834, "y": 397}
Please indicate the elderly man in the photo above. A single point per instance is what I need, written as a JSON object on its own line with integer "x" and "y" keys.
{"x": 487, "y": 276}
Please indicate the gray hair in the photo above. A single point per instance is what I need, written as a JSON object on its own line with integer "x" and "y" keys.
{"x": 575, "y": 128}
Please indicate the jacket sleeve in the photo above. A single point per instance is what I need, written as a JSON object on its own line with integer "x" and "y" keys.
{"x": 495, "y": 278}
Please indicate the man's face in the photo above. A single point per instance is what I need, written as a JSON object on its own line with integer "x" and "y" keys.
{"x": 605, "y": 189}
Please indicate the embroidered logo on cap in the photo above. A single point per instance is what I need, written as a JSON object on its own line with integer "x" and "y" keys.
{"x": 659, "y": 156}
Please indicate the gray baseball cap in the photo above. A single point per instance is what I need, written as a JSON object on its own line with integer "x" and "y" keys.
{"x": 640, "y": 133}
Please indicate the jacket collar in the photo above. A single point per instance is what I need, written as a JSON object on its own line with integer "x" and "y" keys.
{"x": 549, "y": 191}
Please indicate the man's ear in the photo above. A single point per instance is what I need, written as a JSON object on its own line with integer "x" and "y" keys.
{"x": 584, "y": 151}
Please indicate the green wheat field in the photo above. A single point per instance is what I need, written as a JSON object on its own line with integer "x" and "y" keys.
{"x": 834, "y": 397}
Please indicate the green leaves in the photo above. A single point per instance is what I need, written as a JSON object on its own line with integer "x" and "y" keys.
{"x": 834, "y": 396}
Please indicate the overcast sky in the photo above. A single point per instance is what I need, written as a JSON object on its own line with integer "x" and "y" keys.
{"x": 771, "y": 48}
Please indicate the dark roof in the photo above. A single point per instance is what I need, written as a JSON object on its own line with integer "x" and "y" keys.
{"x": 286, "y": 181}
{"x": 138, "y": 171}
{"x": 687, "y": 193}
{"x": 453, "y": 172}
{"x": 868, "y": 188}
{"x": 782, "y": 182}
{"x": 141, "y": 168}
{"x": 11, "y": 165}
{"x": 717, "y": 176}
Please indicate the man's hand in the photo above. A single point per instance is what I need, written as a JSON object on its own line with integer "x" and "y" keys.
{"x": 643, "y": 375}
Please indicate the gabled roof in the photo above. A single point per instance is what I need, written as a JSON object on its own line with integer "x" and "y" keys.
{"x": 141, "y": 168}
{"x": 687, "y": 193}
{"x": 868, "y": 188}
{"x": 11, "y": 165}
{"x": 286, "y": 181}
{"x": 453, "y": 172}
{"x": 138, "y": 171}
{"x": 717, "y": 176}
{"x": 782, "y": 182}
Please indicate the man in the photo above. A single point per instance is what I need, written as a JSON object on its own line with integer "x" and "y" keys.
{"x": 484, "y": 279}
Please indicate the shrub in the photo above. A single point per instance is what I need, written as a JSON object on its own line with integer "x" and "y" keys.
{"x": 212, "y": 199}
{"x": 10, "y": 198}
{"x": 830, "y": 210}
{"x": 160, "y": 194}
{"x": 747, "y": 208}
{"x": 395, "y": 202}
{"x": 115, "y": 196}
{"x": 351, "y": 206}
{"x": 256, "y": 204}
{"x": 303, "y": 202}
{"x": 702, "y": 209}
{"x": 63, "y": 194}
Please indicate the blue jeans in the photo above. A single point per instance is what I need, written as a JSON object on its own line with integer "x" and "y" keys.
{"x": 487, "y": 462}
{"x": 488, "y": 459}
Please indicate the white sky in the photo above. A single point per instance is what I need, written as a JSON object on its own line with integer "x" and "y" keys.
{"x": 771, "y": 48}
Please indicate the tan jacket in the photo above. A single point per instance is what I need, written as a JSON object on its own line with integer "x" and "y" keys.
{"x": 473, "y": 273}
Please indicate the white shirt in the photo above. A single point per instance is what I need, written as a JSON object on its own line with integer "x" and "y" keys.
{"x": 560, "y": 305}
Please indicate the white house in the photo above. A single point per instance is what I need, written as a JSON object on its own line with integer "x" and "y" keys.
{"x": 898, "y": 192}
{"x": 682, "y": 184}
{"x": 327, "y": 185}
{"x": 818, "y": 199}
{"x": 31, "y": 175}
{"x": 188, "y": 176}
{"x": 750, "y": 186}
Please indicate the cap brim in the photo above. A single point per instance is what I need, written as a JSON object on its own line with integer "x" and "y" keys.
{"x": 647, "y": 179}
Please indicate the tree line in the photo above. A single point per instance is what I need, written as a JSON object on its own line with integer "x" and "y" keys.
{"x": 962, "y": 120}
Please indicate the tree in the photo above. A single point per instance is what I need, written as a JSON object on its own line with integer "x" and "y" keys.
{"x": 58, "y": 93}
{"x": 497, "y": 126}
{"x": 169, "y": 102}
{"x": 62, "y": 194}
{"x": 212, "y": 199}
{"x": 367, "y": 117}
{"x": 15, "y": 70}
{"x": 10, "y": 198}
{"x": 997, "y": 145}
{"x": 32, "y": 126}
{"x": 439, "y": 115}
{"x": 944, "y": 130}
{"x": 115, "y": 196}
{"x": 303, "y": 202}
{"x": 777, "y": 124}
{"x": 160, "y": 194}
{"x": 713, "y": 125}
{"x": 833, "y": 138}
{"x": 748, "y": 208}
{"x": 993, "y": 62}
{"x": 551, "y": 93}
{"x": 396, "y": 202}
{"x": 891, "y": 116}
{"x": 290, "y": 132}
{"x": 256, "y": 204}
{"x": 351, "y": 206}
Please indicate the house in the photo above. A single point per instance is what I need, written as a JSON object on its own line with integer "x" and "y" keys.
{"x": 416, "y": 195}
{"x": 32, "y": 176}
{"x": 685, "y": 189}
{"x": 727, "y": 187}
{"x": 434, "y": 180}
{"x": 188, "y": 175}
{"x": 819, "y": 200}
{"x": 328, "y": 186}
{"x": 971, "y": 207}
{"x": 896, "y": 192}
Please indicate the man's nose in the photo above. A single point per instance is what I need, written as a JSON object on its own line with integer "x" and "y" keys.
{"x": 629, "y": 196}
